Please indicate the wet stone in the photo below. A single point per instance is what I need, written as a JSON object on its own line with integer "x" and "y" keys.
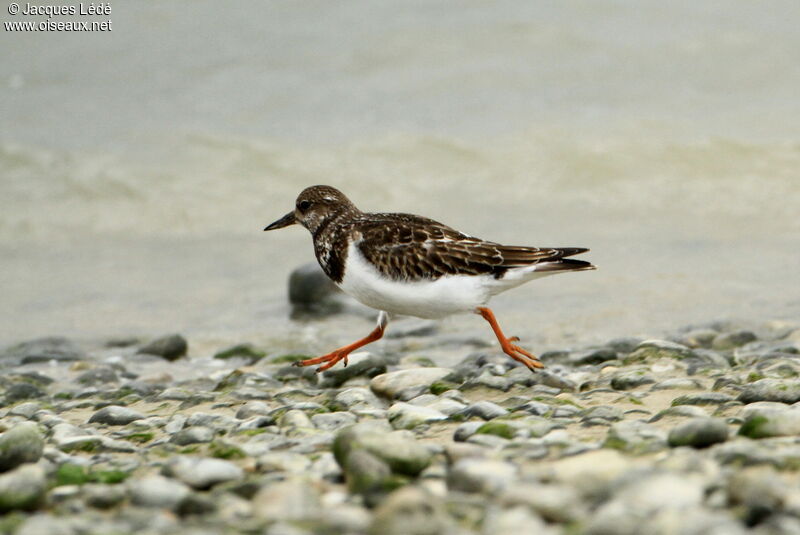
{"x": 115, "y": 415}
{"x": 192, "y": 435}
{"x": 702, "y": 399}
{"x": 407, "y": 416}
{"x": 698, "y": 433}
{"x": 22, "y": 488}
{"x": 782, "y": 390}
{"x": 157, "y": 492}
{"x": 22, "y": 391}
{"x": 99, "y": 375}
{"x": 486, "y": 410}
{"x": 726, "y": 341}
{"x": 42, "y": 350}
{"x": 391, "y": 384}
{"x": 398, "y": 450}
{"x": 771, "y": 422}
{"x": 170, "y": 347}
{"x": 363, "y": 364}
{"x": 652, "y": 350}
{"x": 23, "y": 443}
{"x": 629, "y": 379}
{"x": 635, "y": 437}
{"x": 200, "y": 473}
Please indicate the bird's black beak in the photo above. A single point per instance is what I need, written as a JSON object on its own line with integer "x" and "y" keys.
{"x": 285, "y": 221}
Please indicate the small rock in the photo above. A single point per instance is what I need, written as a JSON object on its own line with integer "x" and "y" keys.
{"x": 241, "y": 351}
{"x": 762, "y": 423}
{"x": 602, "y": 413}
{"x": 409, "y": 511}
{"x": 369, "y": 476}
{"x": 22, "y": 391}
{"x": 22, "y": 488}
{"x": 635, "y": 437}
{"x": 170, "y": 347}
{"x": 157, "y": 491}
{"x": 202, "y": 474}
{"x": 732, "y": 340}
{"x": 42, "y": 350}
{"x": 292, "y": 500}
{"x": 651, "y": 350}
{"x": 23, "y": 443}
{"x": 698, "y": 433}
{"x": 629, "y": 379}
{"x": 312, "y": 292}
{"x": 115, "y": 415}
{"x": 102, "y": 496}
{"x": 99, "y": 375}
{"x": 391, "y": 384}
{"x": 678, "y": 383}
{"x": 702, "y": 399}
{"x": 331, "y": 421}
{"x": 483, "y": 476}
{"x": 192, "y": 435}
{"x": 362, "y": 364}
{"x": 402, "y": 454}
{"x": 413, "y": 327}
{"x": 592, "y": 356}
{"x": 358, "y": 398}
{"x": 782, "y": 390}
{"x": 26, "y": 410}
{"x": 485, "y": 410}
{"x": 407, "y": 416}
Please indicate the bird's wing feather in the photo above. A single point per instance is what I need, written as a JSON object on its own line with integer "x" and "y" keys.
{"x": 409, "y": 247}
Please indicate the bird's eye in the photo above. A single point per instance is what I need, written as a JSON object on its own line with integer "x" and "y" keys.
{"x": 303, "y": 205}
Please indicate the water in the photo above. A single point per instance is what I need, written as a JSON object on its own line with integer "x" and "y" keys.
{"x": 138, "y": 167}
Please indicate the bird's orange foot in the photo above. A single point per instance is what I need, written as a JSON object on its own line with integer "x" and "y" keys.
{"x": 520, "y": 355}
{"x": 330, "y": 360}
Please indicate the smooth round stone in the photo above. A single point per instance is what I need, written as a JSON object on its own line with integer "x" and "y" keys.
{"x": 508, "y": 521}
{"x": 293, "y": 463}
{"x": 367, "y": 475}
{"x": 702, "y": 398}
{"x": 22, "y": 391}
{"x": 687, "y": 411}
{"x": 410, "y": 511}
{"x": 629, "y": 379}
{"x": 115, "y": 415}
{"x": 390, "y": 384}
{"x": 771, "y": 422}
{"x": 157, "y": 491}
{"x": 331, "y": 421}
{"x": 103, "y": 496}
{"x": 26, "y": 410}
{"x": 361, "y": 364}
{"x": 22, "y": 488}
{"x": 635, "y": 437}
{"x": 42, "y": 350}
{"x": 312, "y": 292}
{"x": 201, "y": 473}
{"x": 591, "y": 473}
{"x": 295, "y": 418}
{"x": 444, "y": 405}
{"x": 23, "y": 443}
{"x": 170, "y": 347}
{"x": 698, "y": 433}
{"x": 485, "y": 410}
{"x": 678, "y": 383}
{"x": 782, "y": 390}
{"x": 293, "y": 500}
{"x": 402, "y": 454}
{"x": 175, "y": 424}
{"x": 726, "y": 341}
{"x": 466, "y": 430}
{"x": 404, "y": 415}
{"x": 98, "y": 376}
{"x": 192, "y": 435}
{"x": 253, "y": 408}
{"x": 358, "y": 397}
{"x": 603, "y": 413}
{"x": 489, "y": 380}
{"x": 651, "y": 350}
{"x": 480, "y": 475}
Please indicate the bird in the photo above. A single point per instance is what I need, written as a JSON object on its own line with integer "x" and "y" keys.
{"x": 406, "y": 264}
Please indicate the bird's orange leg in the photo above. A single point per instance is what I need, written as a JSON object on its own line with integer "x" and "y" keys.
{"x": 341, "y": 354}
{"x": 513, "y": 351}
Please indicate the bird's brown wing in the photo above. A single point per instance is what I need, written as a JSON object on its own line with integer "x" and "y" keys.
{"x": 408, "y": 247}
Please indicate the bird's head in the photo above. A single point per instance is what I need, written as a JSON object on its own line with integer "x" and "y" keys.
{"x": 314, "y": 205}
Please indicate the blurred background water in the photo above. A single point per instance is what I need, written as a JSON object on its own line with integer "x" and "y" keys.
{"x": 138, "y": 166}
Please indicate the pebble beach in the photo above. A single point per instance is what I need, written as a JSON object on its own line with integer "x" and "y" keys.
{"x": 695, "y": 431}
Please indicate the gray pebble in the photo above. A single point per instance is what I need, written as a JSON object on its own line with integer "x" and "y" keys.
{"x": 407, "y": 416}
{"x": 702, "y": 399}
{"x": 23, "y": 443}
{"x": 22, "y": 391}
{"x": 483, "y": 476}
{"x": 200, "y": 473}
{"x": 397, "y": 449}
{"x": 363, "y": 364}
{"x": 115, "y": 415}
{"x": 157, "y": 492}
{"x": 635, "y": 437}
{"x": 170, "y": 347}
{"x": 22, "y": 488}
{"x": 629, "y": 379}
{"x": 390, "y": 384}
{"x": 698, "y": 433}
{"x": 771, "y": 422}
{"x": 192, "y": 435}
{"x": 782, "y": 390}
{"x": 332, "y": 421}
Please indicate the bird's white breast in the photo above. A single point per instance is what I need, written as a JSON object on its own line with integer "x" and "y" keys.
{"x": 446, "y": 295}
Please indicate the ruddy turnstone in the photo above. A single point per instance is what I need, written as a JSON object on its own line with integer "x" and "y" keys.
{"x": 407, "y": 264}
